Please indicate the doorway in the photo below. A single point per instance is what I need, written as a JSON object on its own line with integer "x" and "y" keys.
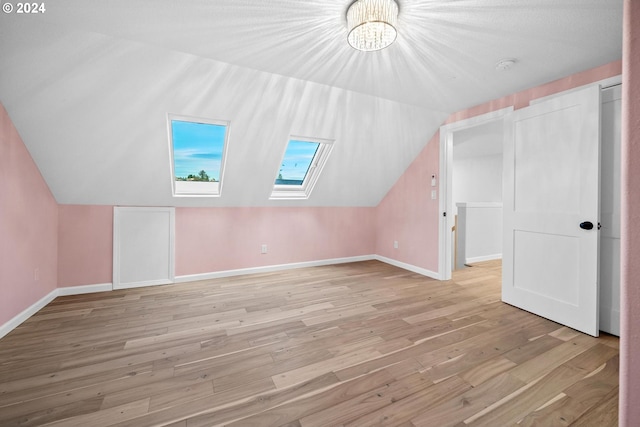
{"x": 448, "y": 133}
{"x": 609, "y": 259}
{"x": 476, "y": 188}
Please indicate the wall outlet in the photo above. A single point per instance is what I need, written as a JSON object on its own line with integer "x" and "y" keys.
{"x": 263, "y": 249}
{"x": 36, "y": 274}
{"x": 395, "y": 244}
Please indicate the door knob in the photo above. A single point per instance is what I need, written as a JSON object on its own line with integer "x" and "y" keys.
{"x": 587, "y": 225}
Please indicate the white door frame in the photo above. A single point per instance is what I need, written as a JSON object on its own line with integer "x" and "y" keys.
{"x": 446, "y": 173}
{"x": 446, "y": 167}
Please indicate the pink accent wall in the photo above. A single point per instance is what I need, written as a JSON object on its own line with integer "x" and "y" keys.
{"x": 28, "y": 227}
{"x": 85, "y": 245}
{"x": 218, "y": 239}
{"x": 630, "y": 242}
{"x": 407, "y": 213}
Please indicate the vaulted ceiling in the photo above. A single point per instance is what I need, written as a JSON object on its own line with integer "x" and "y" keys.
{"x": 89, "y": 83}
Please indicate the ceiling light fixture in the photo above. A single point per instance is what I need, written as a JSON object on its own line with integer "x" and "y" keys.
{"x": 372, "y": 24}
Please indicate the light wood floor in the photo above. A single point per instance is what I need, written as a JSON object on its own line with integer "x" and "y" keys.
{"x": 362, "y": 344}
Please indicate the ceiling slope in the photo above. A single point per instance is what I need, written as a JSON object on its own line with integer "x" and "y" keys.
{"x": 89, "y": 83}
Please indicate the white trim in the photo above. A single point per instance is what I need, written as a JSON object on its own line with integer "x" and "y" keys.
{"x": 132, "y": 285}
{"x": 106, "y": 287}
{"x": 84, "y": 289}
{"x": 604, "y": 84}
{"x": 409, "y": 267}
{"x": 281, "y": 267}
{"x": 270, "y": 268}
{"x": 446, "y": 167}
{"x": 482, "y": 258}
{"x": 303, "y": 191}
{"x": 17, "y": 320}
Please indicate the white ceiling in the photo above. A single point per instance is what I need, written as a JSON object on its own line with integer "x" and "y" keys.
{"x": 88, "y": 85}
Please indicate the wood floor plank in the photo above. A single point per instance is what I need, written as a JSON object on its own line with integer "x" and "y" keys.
{"x": 305, "y": 373}
{"x": 263, "y": 402}
{"x": 454, "y": 410}
{"x": 345, "y": 410}
{"x": 97, "y": 389}
{"x": 536, "y": 367}
{"x": 330, "y": 398}
{"x": 91, "y": 380}
{"x": 550, "y": 384}
{"x": 482, "y": 372}
{"x": 62, "y": 376}
{"x": 403, "y": 410}
{"x": 355, "y": 344}
{"x": 604, "y": 413}
{"x": 51, "y": 414}
{"x": 576, "y": 400}
{"x": 107, "y": 416}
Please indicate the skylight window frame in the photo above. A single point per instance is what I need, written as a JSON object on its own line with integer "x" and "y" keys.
{"x": 303, "y": 191}
{"x": 195, "y": 188}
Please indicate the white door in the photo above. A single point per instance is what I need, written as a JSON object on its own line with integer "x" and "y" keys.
{"x": 143, "y": 252}
{"x": 551, "y": 199}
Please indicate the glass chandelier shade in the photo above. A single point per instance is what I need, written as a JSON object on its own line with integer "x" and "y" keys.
{"x": 372, "y": 24}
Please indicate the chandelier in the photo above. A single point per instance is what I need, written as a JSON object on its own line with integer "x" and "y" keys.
{"x": 371, "y": 24}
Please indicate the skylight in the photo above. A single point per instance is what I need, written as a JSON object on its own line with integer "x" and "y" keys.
{"x": 197, "y": 148}
{"x": 300, "y": 167}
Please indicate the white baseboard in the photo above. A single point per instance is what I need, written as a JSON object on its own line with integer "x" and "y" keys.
{"x": 270, "y": 268}
{"x": 483, "y": 258}
{"x": 409, "y": 267}
{"x": 84, "y": 289}
{"x": 103, "y": 287}
{"x": 27, "y": 312}
{"x": 132, "y": 285}
{"x": 280, "y": 267}
{"x": 38, "y": 305}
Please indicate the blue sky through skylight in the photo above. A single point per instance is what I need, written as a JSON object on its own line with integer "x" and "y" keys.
{"x": 196, "y": 147}
{"x": 296, "y": 162}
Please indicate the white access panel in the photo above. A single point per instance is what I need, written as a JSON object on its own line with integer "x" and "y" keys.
{"x": 143, "y": 246}
{"x": 550, "y": 193}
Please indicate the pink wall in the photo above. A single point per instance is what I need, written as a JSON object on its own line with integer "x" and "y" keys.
{"x": 85, "y": 245}
{"x": 630, "y": 242}
{"x": 218, "y": 239}
{"x": 28, "y": 227}
{"x": 408, "y": 215}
